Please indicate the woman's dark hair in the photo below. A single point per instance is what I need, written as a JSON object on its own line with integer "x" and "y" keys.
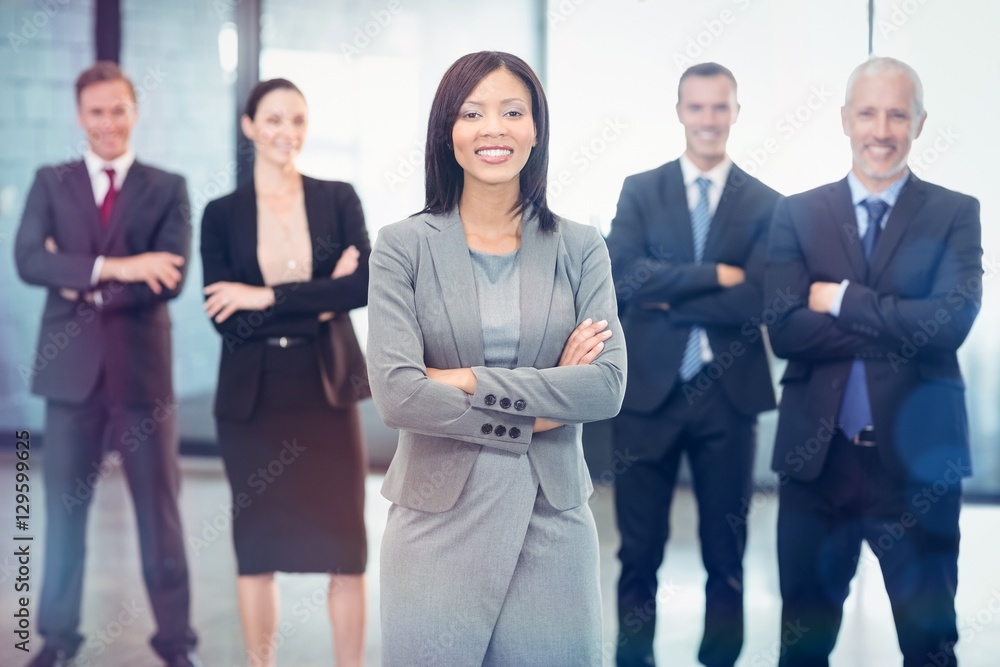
{"x": 444, "y": 177}
{"x": 263, "y": 88}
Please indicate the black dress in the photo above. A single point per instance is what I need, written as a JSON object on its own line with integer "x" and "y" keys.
{"x": 296, "y": 468}
{"x": 296, "y": 465}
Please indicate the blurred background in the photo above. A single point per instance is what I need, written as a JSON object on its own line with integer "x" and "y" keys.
{"x": 369, "y": 69}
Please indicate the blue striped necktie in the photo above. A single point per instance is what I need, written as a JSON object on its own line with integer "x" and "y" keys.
{"x": 701, "y": 220}
{"x": 855, "y": 407}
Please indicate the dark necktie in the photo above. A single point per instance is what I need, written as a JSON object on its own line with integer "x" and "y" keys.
{"x": 108, "y": 204}
{"x": 876, "y": 208}
{"x": 855, "y": 408}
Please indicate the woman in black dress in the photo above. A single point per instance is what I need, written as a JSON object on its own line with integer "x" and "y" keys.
{"x": 281, "y": 254}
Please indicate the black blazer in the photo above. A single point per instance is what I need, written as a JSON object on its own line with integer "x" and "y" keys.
{"x": 905, "y": 317}
{"x": 652, "y": 254}
{"x": 129, "y": 336}
{"x": 229, "y": 253}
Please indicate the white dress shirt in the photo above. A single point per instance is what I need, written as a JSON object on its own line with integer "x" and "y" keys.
{"x": 859, "y": 194}
{"x": 101, "y": 184}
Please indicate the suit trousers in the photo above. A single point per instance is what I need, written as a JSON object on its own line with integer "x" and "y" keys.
{"x": 719, "y": 444}
{"x": 912, "y": 529}
{"x": 146, "y": 438}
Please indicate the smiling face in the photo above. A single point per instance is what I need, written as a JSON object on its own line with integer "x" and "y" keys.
{"x": 881, "y": 123}
{"x": 707, "y": 108}
{"x": 278, "y": 128}
{"x": 495, "y": 131}
{"x": 106, "y": 112}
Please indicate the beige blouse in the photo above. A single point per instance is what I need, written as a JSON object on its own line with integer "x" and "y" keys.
{"x": 284, "y": 249}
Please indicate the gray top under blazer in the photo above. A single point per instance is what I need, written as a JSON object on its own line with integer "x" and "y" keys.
{"x": 498, "y": 287}
{"x": 423, "y": 311}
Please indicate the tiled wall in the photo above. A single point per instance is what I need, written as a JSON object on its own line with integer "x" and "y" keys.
{"x": 186, "y": 125}
{"x": 43, "y": 45}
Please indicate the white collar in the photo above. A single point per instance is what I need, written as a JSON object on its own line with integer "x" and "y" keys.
{"x": 717, "y": 174}
{"x": 121, "y": 164}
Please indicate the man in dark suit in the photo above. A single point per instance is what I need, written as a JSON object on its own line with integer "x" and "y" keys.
{"x": 108, "y": 237}
{"x": 883, "y": 274}
{"x": 687, "y": 247}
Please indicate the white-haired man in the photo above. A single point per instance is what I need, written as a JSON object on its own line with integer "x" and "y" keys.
{"x": 872, "y": 440}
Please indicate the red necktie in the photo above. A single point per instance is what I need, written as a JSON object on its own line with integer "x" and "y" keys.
{"x": 109, "y": 199}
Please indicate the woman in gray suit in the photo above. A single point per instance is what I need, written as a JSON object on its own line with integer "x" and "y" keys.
{"x": 493, "y": 335}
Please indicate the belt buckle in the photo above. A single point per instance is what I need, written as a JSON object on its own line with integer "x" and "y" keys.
{"x": 283, "y": 341}
{"x": 865, "y": 437}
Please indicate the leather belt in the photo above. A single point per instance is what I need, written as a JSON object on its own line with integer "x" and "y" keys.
{"x": 865, "y": 437}
{"x": 287, "y": 341}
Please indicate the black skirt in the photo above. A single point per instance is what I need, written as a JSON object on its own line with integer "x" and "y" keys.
{"x": 297, "y": 472}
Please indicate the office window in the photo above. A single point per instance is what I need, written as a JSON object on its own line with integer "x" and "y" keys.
{"x": 185, "y": 84}
{"x": 955, "y": 150}
{"x": 45, "y": 46}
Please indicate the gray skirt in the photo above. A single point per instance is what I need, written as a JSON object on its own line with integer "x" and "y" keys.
{"x": 500, "y": 579}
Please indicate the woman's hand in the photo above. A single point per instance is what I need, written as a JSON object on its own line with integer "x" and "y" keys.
{"x": 542, "y": 425}
{"x": 226, "y": 298}
{"x": 583, "y": 346}
{"x": 460, "y": 378}
{"x": 347, "y": 264}
{"x": 585, "y": 343}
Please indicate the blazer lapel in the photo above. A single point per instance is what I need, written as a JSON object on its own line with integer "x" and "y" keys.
{"x": 453, "y": 266}
{"x": 127, "y": 205}
{"x": 728, "y": 202}
{"x": 910, "y": 201}
{"x": 245, "y": 233}
{"x": 319, "y": 235}
{"x": 79, "y": 185}
{"x": 845, "y": 221}
{"x": 538, "y": 268}
{"x": 678, "y": 216}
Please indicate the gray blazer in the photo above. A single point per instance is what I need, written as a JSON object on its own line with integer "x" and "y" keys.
{"x": 423, "y": 311}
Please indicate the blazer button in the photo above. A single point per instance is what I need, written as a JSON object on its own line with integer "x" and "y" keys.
{"x": 499, "y": 431}
{"x": 519, "y": 404}
{"x": 487, "y": 429}
{"x": 504, "y": 403}
{"x": 489, "y": 399}
{"x": 514, "y": 432}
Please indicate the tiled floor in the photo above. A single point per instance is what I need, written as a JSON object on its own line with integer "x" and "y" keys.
{"x": 117, "y": 618}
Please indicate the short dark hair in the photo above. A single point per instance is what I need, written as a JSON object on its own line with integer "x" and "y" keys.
{"x": 102, "y": 70}
{"x": 263, "y": 88}
{"x": 705, "y": 69}
{"x": 444, "y": 177}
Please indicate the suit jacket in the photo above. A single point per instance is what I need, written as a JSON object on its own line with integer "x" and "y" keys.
{"x": 229, "y": 253}
{"x": 128, "y": 337}
{"x": 423, "y": 312}
{"x": 905, "y": 316}
{"x": 652, "y": 254}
